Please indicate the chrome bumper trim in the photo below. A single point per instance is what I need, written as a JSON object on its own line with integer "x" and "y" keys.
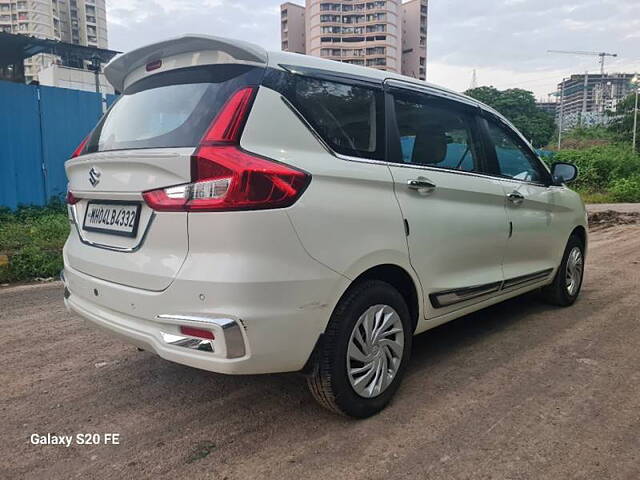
{"x": 226, "y": 330}
{"x": 188, "y": 342}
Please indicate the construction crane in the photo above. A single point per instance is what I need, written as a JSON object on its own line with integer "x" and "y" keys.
{"x": 602, "y": 55}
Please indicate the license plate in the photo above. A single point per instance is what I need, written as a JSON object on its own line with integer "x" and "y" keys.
{"x": 116, "y": 218}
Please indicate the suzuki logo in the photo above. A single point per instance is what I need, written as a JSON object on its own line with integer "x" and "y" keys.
{"x": 94, "y": 176}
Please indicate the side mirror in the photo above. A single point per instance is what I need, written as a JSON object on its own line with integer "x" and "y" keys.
{"x": 563, "y": 173}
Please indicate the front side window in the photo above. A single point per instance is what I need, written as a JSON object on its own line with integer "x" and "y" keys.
{"x": 434, "y": 135}
{"x": 513, "y": 160}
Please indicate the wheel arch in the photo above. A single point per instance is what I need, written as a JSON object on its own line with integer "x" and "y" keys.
{"x": 400, "y": 279}
{"x": 581, "y": 233}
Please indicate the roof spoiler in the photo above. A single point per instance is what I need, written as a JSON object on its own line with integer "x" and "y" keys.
{"x": 234, "y": 51}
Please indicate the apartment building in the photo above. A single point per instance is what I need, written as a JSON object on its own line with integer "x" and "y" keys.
{"x": 414, "y": 38}
{"x": 383, "y": 34}
{"x": 585, "y": 98}
{"x": 292, "y": 24}
{"x": 82, "y": 22}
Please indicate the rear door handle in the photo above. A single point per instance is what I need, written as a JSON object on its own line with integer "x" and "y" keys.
{"x": 421, "y": 185}
{"x": 515, "y": 198}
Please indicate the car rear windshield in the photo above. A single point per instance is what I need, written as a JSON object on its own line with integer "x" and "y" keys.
{"x": 170, "y": 109}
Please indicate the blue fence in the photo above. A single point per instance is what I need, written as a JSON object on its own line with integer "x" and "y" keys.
{"x": 39, "y": 129}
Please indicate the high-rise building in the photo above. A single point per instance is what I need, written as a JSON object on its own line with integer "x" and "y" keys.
{"x": 383, "y": 34}
{"x": 292, "y": 27}
{"x": 585, "y": 98}
{"x": 82, "y": 22}
{"x": 414, "y": 38}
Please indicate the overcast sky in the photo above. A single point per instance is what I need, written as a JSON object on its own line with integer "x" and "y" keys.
{"x": 505, "y": 40}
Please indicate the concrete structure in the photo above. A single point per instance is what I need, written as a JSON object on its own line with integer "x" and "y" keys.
{"x": 382, "y": 34}
{"x": 585, "y": 98}
{"x": 82, "y": 22}
{"x": 74, "y": 78}
{"x": 292, "y": 19}
{"x": 548, "y": 107}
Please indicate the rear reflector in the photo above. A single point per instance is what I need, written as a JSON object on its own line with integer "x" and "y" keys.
{"x": 197, "y": 332}
{"x": 72, "y": 199}
{"x": 224, "y": 177}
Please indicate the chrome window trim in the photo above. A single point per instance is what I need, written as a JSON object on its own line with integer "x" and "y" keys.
{"x": 436, "y": 169}
{"x": 135, "y": 248}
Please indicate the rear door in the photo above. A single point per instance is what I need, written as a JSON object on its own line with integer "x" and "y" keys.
{"x": 531, "y": 249}
{"x": 144, "y": 142}
{"x": 457, "y": 226}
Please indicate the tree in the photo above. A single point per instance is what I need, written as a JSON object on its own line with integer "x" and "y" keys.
{"x": 519, "y": 106}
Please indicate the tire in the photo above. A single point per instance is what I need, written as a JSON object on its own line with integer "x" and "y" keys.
{"x": 343, "y": 347}
{"x": 561, "y": 292}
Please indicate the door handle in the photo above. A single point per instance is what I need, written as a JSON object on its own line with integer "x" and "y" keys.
{"x": 421, "y": 185}
{"x": 515, "y": 198}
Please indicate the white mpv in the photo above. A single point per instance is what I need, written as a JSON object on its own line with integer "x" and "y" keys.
{"x": 244, "y": 211}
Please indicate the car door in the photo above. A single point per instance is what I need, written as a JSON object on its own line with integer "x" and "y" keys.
{"x": 456, "y": 223}
{"x": 530, "y": 206}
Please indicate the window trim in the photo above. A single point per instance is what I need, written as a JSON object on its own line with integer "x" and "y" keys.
{"x": 515, "y": 136}
{"x": 336, "y": 77}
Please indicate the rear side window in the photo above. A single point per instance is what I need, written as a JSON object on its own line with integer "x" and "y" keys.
{"x": 435, "y": 135}
{"x": 349, "y": 118}
{"x": 170, "y": 109}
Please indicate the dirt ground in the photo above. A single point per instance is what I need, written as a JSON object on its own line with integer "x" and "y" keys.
{"x": 518, "y": 391}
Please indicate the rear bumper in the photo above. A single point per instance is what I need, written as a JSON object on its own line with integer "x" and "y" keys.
{"x": 227, "y": 353}
{"x": 258, "y": 337}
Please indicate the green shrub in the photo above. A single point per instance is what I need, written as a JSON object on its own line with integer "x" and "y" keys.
{"x": 32, "y": 238}
{"x": 600, "y": 166}
{"x": 626, "y": 189}
{"x": 31, "y": 262}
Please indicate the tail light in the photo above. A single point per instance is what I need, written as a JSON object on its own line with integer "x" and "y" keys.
{"x": 224, "y": 177}
{"x": 80, "y": 148}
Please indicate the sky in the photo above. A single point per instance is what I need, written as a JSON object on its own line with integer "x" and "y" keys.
{"x": 506, "y": 41}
